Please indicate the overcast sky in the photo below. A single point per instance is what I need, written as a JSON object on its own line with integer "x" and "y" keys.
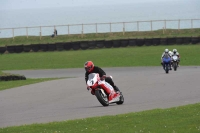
{"x": 24, "y": 4}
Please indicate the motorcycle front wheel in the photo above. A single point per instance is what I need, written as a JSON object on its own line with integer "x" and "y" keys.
{"x": 101, "y": 98}
{"x": 166, "y": 68}
{"x": 175, "y": 66}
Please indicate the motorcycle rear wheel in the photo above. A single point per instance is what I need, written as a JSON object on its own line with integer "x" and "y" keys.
{"x": 121, "y": 100}
{"x": 101, "y": 99}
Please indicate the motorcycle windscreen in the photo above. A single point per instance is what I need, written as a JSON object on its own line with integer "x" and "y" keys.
{"x": 92, "y": 79}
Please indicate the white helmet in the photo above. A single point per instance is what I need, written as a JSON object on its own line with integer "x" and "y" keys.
{"x": 166, "y": 50}
{"x": 174, "y": 50}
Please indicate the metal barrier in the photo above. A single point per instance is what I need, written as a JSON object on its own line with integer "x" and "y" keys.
{"x": 100, "y": 28}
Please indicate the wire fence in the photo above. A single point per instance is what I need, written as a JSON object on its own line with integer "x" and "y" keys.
{"x": 82, "y": 29}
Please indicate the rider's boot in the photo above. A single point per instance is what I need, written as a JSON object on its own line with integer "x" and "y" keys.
{"x": 116, "y": 89}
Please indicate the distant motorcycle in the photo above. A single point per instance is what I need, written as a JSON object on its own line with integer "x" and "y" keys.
{"x": 166, "y": 63}
{"x": 175, "y": 62}
{"x": 101, "y": 95}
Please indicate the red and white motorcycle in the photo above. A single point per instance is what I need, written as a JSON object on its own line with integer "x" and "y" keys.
{"x": 101, "y": 95}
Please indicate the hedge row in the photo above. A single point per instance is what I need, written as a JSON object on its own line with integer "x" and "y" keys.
{"x": 99, "y": 44}
{"x": 12, "y": 77}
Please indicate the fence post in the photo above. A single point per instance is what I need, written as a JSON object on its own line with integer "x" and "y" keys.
{"x": 54, "y": 30}
{"x": 26, "y": 32}
{"x": 178, "y": 24}
{"x": 40, "y": 33}
{"x": 82, "y": 31}
{"x": 110, "y": 29}
{"x": 13, "y": 33}
{"x": 68, "y": 30}
{"x": 191, "y": 24}
{"x": 151, "y": 25}
{"x": 96, "y": 29}
{"x": 137, "y": 25}
{"x": 123, "y": 28}
{"x": 164, "y": 24}
{"x": 163, "y": 30}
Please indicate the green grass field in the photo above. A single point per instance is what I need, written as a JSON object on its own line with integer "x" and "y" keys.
{"x": 183, "y": 119}
{"x": 114, "y": 57}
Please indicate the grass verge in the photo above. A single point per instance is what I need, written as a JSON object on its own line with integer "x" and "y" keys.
{"x": 183, "y": 119}
{"x": 17, "y": 83}
{"x": 113, "y": 57}
{"x": 100, "y": 36}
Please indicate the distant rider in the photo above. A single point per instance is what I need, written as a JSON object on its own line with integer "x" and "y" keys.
{"x": 175, "y": 52}
{"x": 166, "y": 54}
{"x": 170, "y": 53}
{"x": 105, "y": 82}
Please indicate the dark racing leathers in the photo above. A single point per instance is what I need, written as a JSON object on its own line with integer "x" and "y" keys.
{"x": 101, "y": 73}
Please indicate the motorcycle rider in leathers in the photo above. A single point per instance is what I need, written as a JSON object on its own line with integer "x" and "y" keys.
{"x": 105, "y": 82}
{"x": 166, "y": 53}
{"x": 175, "y": 52}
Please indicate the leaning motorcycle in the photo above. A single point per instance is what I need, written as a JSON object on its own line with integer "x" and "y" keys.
{"x": 166, "y": 64}
{"x": 175, "y": 62}
{"x": 101, "y": 95}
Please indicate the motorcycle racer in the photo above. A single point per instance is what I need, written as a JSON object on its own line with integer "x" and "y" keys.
{"x": 175, "y": 52}
{"x": 104, "y": 82}
{"x": 166, "y": 54}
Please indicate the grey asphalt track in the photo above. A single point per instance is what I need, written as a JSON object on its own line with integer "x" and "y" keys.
{"x": 144, "y": 88}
